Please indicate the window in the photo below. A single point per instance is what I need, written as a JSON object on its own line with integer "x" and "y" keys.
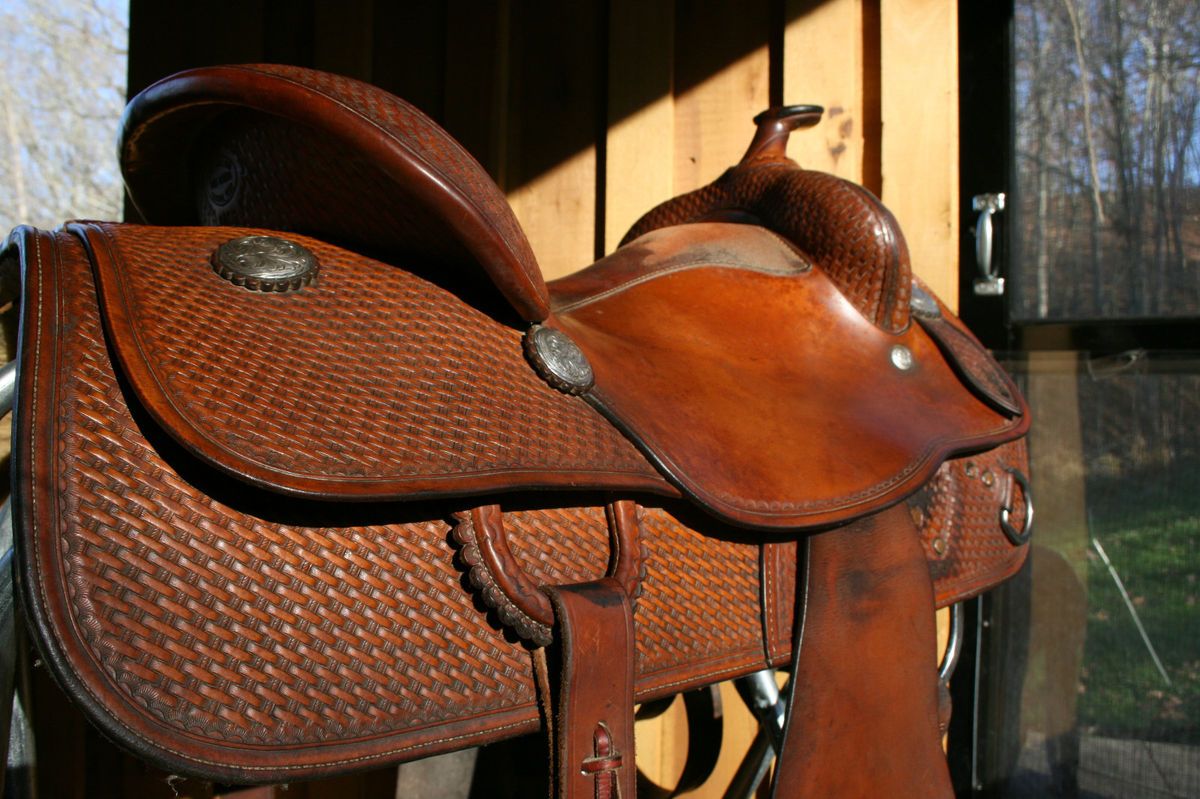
{"x": 1106, "y": 215}
{"x": 1085, "y": 677}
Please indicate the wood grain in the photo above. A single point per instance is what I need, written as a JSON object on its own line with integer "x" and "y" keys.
{"x": 823, "y": 64}
{"x": 555, "y": 104}
{"x": 477, "y": 79}
{"x": 722, "y": 75}
{"x": 919, "y": 109}
{"x": 342, "y": 37}
{"x": 639, "y": 169}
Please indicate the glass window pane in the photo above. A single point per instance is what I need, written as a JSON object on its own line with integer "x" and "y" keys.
{"x": 1110, "y": 685}
{"x": 1106, "y": 205}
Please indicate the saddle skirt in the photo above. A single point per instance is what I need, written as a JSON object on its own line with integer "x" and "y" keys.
{"x": 305, "y": 466}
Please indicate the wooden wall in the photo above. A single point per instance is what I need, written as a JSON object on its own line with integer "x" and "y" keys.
{"x": 588, "y": 113}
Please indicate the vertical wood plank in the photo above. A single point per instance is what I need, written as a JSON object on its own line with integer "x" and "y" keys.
{"x": 557, "y": 210}
{"x": 722, "y": 70}
{"x": 640, "y": 145}
{"x": 661, "y": 744}
{"x": 740, "y": 728}
{"x": 823, "y": 64}
{"x": 476, "y": 80}
{"x": 408, "y": 52}
{"x": 721, "y": 81}
{"x": 639, "y": 174}
{"x": 919, "y": 108}
{"x": 556, "y": 112}
{"x": 167, "y": 37}
{"x": 1058, "y": 603}
{"x": 343, "y": 37}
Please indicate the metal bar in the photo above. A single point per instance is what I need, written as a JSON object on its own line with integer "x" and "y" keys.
{"x": 8, "y": 386}
{"x": 953, "y": 644}
{"x": 762, "y": 696}
{"x": 1132, "y": 611}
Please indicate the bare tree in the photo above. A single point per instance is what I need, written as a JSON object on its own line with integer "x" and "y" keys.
{"x": 1077, "y": 34}
{"x": 1108, "y": 162}
{"x": 62, "y": 85}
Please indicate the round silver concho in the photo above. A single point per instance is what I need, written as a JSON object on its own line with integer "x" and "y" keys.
{"x": 923, "y": 303}
{"x": 265, "y": 263}
{"x": 902, "y": 358}
{"x": 558, "y": 360}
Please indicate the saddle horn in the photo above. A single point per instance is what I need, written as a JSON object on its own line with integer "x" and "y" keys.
{"x": 775, "y": 125}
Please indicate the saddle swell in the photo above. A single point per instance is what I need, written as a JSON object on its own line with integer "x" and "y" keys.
{"x": 717, "y": 338}
{"x": 293, "y": 499}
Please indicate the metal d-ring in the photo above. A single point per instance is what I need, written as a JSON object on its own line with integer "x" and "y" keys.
{"x": 1018, "y": 537}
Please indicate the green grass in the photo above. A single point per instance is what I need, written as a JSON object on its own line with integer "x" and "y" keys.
{"x": 1150, "y": 527}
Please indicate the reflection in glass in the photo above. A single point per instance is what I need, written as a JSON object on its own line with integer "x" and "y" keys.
{"x": 1110, "y": 683}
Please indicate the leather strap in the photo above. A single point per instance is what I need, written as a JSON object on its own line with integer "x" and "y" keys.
{"x": 592, "y": 725}
{"x": 863, "y": 714}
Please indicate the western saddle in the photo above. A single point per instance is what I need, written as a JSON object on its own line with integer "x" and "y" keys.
{"x": 314, "y": 472}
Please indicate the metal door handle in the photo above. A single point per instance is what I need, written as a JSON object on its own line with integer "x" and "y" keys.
{"x": 989, "y": 283}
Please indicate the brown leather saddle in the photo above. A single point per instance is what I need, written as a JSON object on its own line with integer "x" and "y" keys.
{"x": 314, "y": 472}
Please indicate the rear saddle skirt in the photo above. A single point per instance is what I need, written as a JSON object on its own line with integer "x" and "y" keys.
{"x": 312, "y": 471}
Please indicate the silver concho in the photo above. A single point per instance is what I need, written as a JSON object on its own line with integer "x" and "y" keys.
{"x": 902, "y": 358}
{"x": 265, "y": 263}
{"x": 923, "y": 303}
{"x": 558, "y": 360}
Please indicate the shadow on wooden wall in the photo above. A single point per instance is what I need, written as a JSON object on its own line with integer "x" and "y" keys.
{"x": 586, "y": 113}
